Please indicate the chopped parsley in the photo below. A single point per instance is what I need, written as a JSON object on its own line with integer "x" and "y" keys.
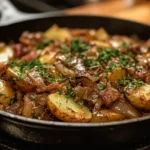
{"x": 101, "y": 87}
{"x": 77, "y": 46}
{"x": 131, "y": 83}
{"x": 25, "y": 66}
{"x": 14, "y": 79}
{"x": 97, "y": 75}
{"x": 81, "y": 103}
{"x": 69, "y": 92}
{"x": 125, "y": 45}
{"x": 44, "y": 43}
{"x": 68, "y": 61}
{"x": 12, "y": 101}
{"x": 64, "y": 49}
{"x": 111, "y": 67}
{"x": 61, "y": 92}
{"x": 130, "y": 54}
{"x": 123, "y": 60}
{"x": 107, "y": 53}
{"x": 2, "y": 94}
{"x": 90, "y": 62}
{"x": 124, "y": 82}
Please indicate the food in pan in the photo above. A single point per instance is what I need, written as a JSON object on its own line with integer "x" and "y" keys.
{"x": 75, "y": 75}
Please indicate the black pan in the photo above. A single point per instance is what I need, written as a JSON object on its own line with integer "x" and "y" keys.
{"x": 60, "y": 132}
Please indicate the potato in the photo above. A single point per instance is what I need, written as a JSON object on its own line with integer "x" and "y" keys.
{"x": 12, "y": 74}
{"x": 57, "y": 33}
{"x": 116, "y": 74}
{"x": 22, "y": 81}
{"x": 6, "y": 54}
{"x": 106, "y": 116}
{"x": 101, "y": 34}
{"x": 100, "y": 43}
{"x": 140, "y": 97}
{"x": 48, "y": 58}
{"x": 66, "y": 109}
{"x": 6, "y": 93}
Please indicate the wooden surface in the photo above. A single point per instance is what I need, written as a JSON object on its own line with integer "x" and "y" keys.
{"x": 117, "y": 8}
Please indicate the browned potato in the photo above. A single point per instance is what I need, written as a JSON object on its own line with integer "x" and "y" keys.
{"x": 66, "y": 109}
{"x": 101, "y": 34}
{"x": 6, "y": 93}
{"x": 48, "y": 58}
{"x": 22, "y": 81}
{"x": 140, "y": 97}
{"x": 55, "y": 32}
{"x": 100, "y": 43}
{"x": 6, "y": 54}
{"x": 106, "y": 116}
{"x": 117, "y": 74}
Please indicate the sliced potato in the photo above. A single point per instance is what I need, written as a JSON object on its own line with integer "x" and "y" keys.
{"x": 106, "y": 116}
{"x": 67, "y": 110}
{"x": 117, "y": 74}
{"x": 6, "y": 92}
{"x": 13, "y": 75}
{"x": 57, "y": 33}
{"x": 140, "y": 97}
{"x": 6, "y": 54}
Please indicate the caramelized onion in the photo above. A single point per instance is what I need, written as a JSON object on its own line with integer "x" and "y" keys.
{"x": 85, "y": 81}
{"x": 1, "y": 107}
{"x": 27, "y": 107}
{"x": 64, "y": 70}
{"x": 54, "y": 86}
{"x": 37, "y": 80}
{"x": 3, "y": 67}
{"x": 97, "y": 106}
{"x": 38, "y": 111}
{"x": 93, "y": 78}
{"x": 126, "y": 109}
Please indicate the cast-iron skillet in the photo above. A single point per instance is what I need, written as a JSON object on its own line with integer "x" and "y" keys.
{"x": 61, "y": 132}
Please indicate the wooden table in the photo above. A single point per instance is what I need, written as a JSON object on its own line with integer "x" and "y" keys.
{"x": 116, "y": 8}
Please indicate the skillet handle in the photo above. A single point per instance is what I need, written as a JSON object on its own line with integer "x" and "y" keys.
{"x": 10, "y": 14}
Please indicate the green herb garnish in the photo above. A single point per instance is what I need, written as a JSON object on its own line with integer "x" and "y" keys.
{"x": 106, "y": 54}
{"x": 131, "y": 83}
{"x": 64, "y": 49}
{"x": 97, "y": 75}
{"x": 90, "y": 62}
{"x": 44, "y": 43}
{"x": 12, "y": 101}
{"x": 111, "y": 67}
{"x": 77, "y": 46}
{"x": 123, "y": 61}
{"x": 101, "y": 87}
{"x": 26, "y": 66}
{"x": 1, "y": 94}
{"x": 70, "y": 91}
{"x": 125, "y": 45}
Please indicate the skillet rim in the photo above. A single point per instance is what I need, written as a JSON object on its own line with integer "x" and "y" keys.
{"x": 70, "y": 124}
{"x": 47, "y": 15}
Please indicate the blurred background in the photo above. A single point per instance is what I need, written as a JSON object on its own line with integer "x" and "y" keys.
{"x": 136, "y": 10}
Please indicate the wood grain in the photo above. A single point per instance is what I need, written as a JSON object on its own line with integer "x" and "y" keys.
{"x": 117, "y": 8}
